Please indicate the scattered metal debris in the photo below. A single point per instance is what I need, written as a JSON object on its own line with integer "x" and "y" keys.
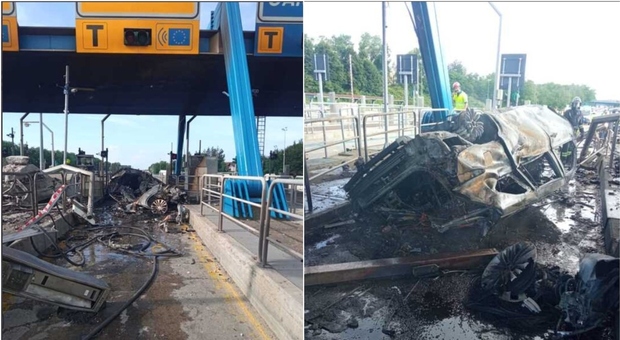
{"x": 134, "y": 189}
{"x": 17, "y": 183}
{"x": 513, "y": 286}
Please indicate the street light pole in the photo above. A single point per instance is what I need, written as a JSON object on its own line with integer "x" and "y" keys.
{"x": 386, "y": 94}
{"x": 51, "y": 132}
{"x": 66, "y": 92}
{"x": 284, "y": 152}
{"x": 497, "y": 64}
{"x": 41, "y": 153}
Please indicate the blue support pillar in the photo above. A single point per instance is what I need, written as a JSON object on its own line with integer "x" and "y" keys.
{"x": 239, "y": 91}
{"x": 432, "y": 59}
{"x": 249, "y": 161}
{"x": 179, "y": 163}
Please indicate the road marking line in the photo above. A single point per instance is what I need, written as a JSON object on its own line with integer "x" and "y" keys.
{"x": 212, "y": 269}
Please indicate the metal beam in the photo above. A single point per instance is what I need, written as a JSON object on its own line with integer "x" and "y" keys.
{"x": 593, "y": 125}
{"x": 392, "y": 267}
{"x": 188, "y": 154}
{"x": 102, "y": 164}
{"x": 21, "y": 133}
{"x": 179, "y": 163}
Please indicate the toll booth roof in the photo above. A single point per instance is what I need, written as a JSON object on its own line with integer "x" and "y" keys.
{"x": 128, "y": 84}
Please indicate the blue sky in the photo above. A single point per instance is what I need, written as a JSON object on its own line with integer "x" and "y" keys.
{"x": 565, "y": 42}
{"x": 132, "y": 140}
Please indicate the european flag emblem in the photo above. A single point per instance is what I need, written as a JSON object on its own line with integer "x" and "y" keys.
{"x": 5, "y": 33}
{"x": 179, "y": 37}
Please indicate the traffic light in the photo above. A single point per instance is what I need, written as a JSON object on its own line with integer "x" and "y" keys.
{"x": 137, "y": 37}
{"x": 273, "y": 155}
{"x": 173, "y": 156}
{"x": 81, "y": 152}
{"x": 104, "y": 153}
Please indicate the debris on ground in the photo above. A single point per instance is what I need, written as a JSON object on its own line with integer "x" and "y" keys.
{"x": 515, "y": 291}
{"x": 134, "y": 190}
{"x": 16, "y": 184}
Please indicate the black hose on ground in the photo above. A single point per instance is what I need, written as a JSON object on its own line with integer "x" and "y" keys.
{"x": 60, "y": 252}
{"x": 140, "y": 291}
{"x": 63, "y": 217}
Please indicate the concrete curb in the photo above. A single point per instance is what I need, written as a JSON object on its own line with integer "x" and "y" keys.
{"x": 277, "y": 300}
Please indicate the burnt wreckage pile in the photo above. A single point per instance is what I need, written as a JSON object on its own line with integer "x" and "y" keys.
{"x": 516, "y": 291}
{"x": 491, "y": 165}
{"x": 134, "y": 190}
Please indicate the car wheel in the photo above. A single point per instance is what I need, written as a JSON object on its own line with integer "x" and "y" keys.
{"x": 159, "y": 206}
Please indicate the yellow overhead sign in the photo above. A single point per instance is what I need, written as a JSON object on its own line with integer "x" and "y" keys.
{"x": 137, "y": 27}
{"x": 138, "y": 9}
{"x": 10, "y": 42}
{"x": 161, "y": 36}
{"x": 8, "y": 8}
{"x": 270, "y": 39}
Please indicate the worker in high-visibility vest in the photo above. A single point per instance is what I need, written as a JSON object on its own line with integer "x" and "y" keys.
{"x": 459, "y": 98}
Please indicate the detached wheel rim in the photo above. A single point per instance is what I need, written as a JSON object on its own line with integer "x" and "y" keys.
{"x": 159, "y": 206}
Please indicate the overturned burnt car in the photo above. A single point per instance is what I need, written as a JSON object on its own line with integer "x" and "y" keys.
{"x": 489, "y": 166}
{"x": 134, "y": 189}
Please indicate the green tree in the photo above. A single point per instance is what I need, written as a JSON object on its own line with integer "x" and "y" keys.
{"x": 156, "y": 167}
{"x": 216, "y": 151}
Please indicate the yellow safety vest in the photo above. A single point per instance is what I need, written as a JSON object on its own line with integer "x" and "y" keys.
{"x": 459, "y": 100}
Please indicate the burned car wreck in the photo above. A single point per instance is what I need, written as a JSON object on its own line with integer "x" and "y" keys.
{"x": 488, "y": 166}
{"x": 134, "y": 189}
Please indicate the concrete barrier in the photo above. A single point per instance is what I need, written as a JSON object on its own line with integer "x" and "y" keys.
{"x": 276, "y": 299}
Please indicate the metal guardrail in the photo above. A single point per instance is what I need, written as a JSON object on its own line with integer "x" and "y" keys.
{"x": 264, "y": 239}
{"x": 211, "y": 193}
{"x": 402, "y": 126}
{"x": 425, "y": 110}
{"x": 212, "y": 188}
{"x": 342, "y": 141}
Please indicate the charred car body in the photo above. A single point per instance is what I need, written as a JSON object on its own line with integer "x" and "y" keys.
{"x": 489, "y": 166}
{"x": 133, "y": 188}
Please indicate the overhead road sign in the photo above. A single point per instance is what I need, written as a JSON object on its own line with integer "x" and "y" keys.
{"x": 137, "y": 27}
{"x": 279, "y": 29}
{"x": 138, "y": 10}
{"x": 10, "y": 41}
{"x": 513, "y": 72}
{"x": 280, "y": 12}
{"x": 8, "y": 8}
{"x": 407, "y": 66}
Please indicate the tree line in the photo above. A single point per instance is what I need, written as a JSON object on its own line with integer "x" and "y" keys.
{"x": 294, "y": 160}
{"x": 366, "y": 64}
{"x": 12, "y": 149}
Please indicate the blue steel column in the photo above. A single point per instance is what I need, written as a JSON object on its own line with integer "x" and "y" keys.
{"x": 242, "y": 114}
{"x": 240, "y": 93}
{"x": 179, "y": 163}
{"x": 432, "y": 58}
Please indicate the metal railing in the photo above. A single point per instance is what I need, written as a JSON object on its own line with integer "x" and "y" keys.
{"x": 401, "y": 123}
{"x": 212, "y": 189}
{"x": 264, "y": 239}
{"x": 206, "y": 185}
{"x": 424, "y": 111}
{"x": 342, "y": 141}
